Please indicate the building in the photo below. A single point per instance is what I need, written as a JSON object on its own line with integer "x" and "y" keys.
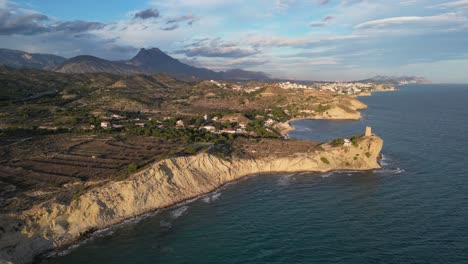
{"x": 368, "y": 132}
{"x": 180, "y": 123}
{"x": 209, "y": 128}
{"x": 105, "y": 124}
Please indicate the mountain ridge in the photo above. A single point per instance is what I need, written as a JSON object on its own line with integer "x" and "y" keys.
{"x": 23, "y": 59}
{"x": 146, "y": 61}
{"x": 397, "y": 80}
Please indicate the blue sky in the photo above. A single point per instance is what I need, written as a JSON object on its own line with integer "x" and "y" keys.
{"x": 297, "y": 39}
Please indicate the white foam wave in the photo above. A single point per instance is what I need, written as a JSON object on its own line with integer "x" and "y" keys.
{"x": 179, "y": 212}
{"x": 211, "y": 198}
{"x": 286, "y": 180}
{"x": 165, "y": 224}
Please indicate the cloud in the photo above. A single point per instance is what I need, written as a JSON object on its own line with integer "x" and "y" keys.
{"x": 24, "y": 23}
{"x": 325, "y": 21}
{"x": 77, "y": 26}
{"x": 170, "y": 28}
{"x": 217, "y": 51}
{"x": 452, "y": 4}
{"x": 324, "y": 2}
{"x": 181, "y": 19}
{"x": 146, "y": 14}
{"x": 413, "y": 20}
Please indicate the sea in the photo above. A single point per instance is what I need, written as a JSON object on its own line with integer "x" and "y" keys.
{"x": 414, "y": 210}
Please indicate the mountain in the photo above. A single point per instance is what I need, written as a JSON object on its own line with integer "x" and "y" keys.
{"x": 90, "y": 64}
{"x": 22, "y": 59}
{"x": 156, "y": 61}
{"x": 397, "y": 80}
{"x": 147, "y": 61}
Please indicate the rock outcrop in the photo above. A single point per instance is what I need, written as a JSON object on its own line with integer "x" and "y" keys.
{"x": 53, "y": 225}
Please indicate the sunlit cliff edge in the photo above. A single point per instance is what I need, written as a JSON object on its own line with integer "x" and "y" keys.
{"x": 53, "y": 225}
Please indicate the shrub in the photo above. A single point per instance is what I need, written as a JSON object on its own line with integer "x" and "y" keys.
{"x": 368, "y": 154}
{"x": 338, "y": 142}
{"x": 132, "y": 168}
{"x": 190, "y": 150}
{"x": 322, "y": 108}
{"x": 354, "y": 140}
{"x": 325, "y": 160}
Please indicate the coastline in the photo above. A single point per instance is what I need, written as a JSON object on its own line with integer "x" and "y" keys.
{"x": 137, "y": 218}
{"x": 53, "y": 226}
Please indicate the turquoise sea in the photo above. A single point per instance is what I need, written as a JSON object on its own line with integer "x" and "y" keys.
{"x": 414, "y": 210}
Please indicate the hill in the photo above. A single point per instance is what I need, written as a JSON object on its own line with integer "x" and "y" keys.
{"x": 147, "y": 61}
{"x": 396, "y": 80}
{"x": 22, "y": 59}
{"x": 90, "y": 64}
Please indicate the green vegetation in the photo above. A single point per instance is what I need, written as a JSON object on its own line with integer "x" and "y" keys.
{"x": 325, "y": 160}
{"x": 132, "y": 168}
{"x": 368, "y": 154}
{"x": 77, "y": 194}
{"x": 338, "y": 142}
{"x": 354, "y": 140}
{"x": 322, "y": 108}
{"x": 191, "y": 150}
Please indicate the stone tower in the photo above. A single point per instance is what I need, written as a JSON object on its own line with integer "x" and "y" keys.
{"x": 368, "y": 132}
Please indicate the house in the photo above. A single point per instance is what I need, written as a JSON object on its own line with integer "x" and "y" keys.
{"x": 269, "y": 122}
{"x": 228, "y": 131}
{"x": 347, "y": 143}
{"x": 209, "y": 128}
{"x": 116, "y": 116}
{"x": 105, "y": 124}
{"x": 180, "y": 123}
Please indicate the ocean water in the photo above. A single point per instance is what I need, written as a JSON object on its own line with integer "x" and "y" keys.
{"x": 415, "y": 210}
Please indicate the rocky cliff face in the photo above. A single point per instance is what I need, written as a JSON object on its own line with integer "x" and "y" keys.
{"x": 165, "y": 183}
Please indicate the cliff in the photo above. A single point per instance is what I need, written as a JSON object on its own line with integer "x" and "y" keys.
{"x": 53, "y": 224}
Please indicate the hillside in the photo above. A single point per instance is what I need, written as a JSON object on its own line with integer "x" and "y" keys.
{"x": 22, "y": 59}
{"x": 396, "y": 80}
{"x": 146, "y": 61}
{"x": 90, "y": 64}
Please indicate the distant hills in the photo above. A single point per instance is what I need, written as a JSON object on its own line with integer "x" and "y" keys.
{"x": 396, "y": 80}
{"x": 22, "y": 59}
{"x": 90, "y": 64}
{"x": 147, "y": 61}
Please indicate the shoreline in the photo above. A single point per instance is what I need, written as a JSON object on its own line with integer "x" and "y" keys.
{"x": 165, "y": 184}
{"x": 62, "y": 251}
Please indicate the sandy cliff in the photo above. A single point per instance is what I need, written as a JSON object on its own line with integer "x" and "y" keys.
{"x": 165, "y": 183}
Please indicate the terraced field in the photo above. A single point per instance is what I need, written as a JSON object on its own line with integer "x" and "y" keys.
{"x": 32, "y": 170}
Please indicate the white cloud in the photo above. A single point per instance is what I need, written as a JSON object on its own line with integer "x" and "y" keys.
{"x": 442, "y": 19}
{"x": 452, "y": 4}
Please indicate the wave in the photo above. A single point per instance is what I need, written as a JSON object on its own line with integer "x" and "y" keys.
{"x": 102, "y": 233}
{"x": 179, "y": 212}
{"x": 326, "y": 175}
{"x": 165, "y": 224}
{"x": 286, "y": 180}
{"x": 211, "y": 197}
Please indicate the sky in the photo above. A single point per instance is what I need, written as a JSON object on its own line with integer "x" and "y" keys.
{"x": 294, "y": 39}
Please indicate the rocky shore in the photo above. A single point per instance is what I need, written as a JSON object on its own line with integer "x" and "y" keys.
{"x": 52, "y": 225}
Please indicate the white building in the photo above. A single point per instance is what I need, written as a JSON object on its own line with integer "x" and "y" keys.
{"x": 105, "y": 124}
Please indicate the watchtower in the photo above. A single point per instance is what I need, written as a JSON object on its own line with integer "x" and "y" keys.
{"x": 368, "y": 132}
